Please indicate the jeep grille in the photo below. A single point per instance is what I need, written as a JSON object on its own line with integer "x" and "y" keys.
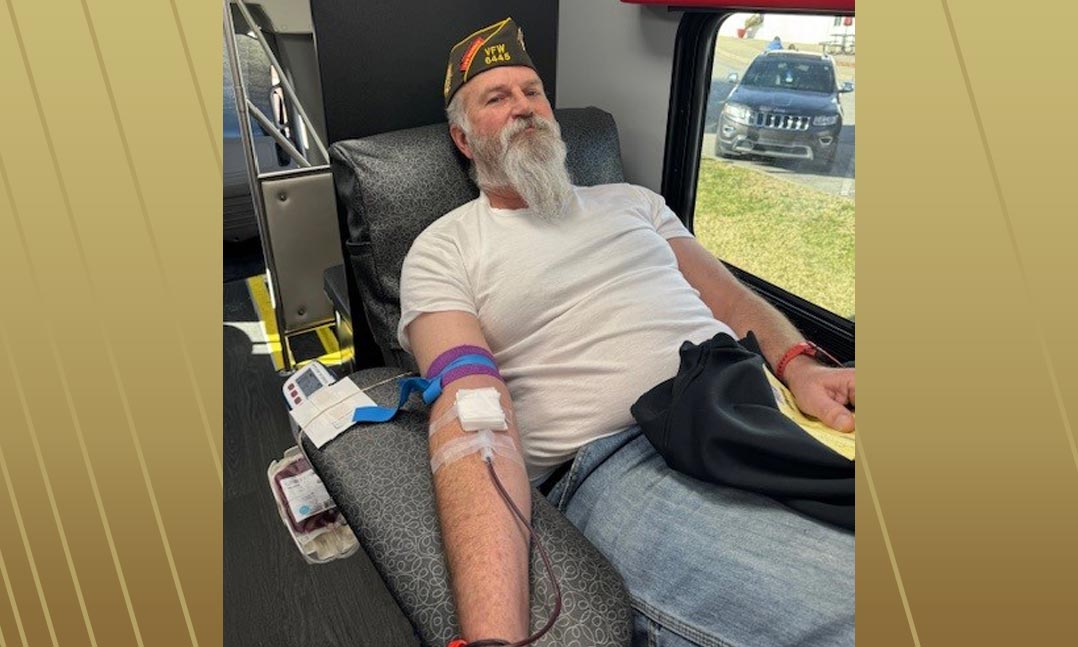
{"x": 783, "y": 122}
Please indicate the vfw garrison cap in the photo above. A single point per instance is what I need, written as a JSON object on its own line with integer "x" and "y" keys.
{"x": 493, "y": 46}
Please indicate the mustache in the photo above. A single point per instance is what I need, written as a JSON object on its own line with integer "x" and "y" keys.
{"x": 520, "y": 124}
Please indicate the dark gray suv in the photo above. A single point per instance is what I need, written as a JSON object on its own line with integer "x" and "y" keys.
{"x": 786, "y": 106}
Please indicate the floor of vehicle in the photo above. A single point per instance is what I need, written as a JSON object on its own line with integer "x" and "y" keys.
{"x": 271, "y": 596}
{"x": 243, "y": 259}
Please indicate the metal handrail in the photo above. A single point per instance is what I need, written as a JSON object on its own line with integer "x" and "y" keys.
{"x": 283, "y": 141}
{"x": 285, "y": 84}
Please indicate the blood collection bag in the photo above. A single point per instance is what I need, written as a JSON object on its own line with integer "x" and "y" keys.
{"x": 308, "y": 511}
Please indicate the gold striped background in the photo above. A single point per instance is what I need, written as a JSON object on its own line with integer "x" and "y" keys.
{"x": 110, "y": 346}
{"x": 968, "y": 514}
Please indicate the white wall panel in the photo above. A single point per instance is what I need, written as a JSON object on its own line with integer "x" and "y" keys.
{"x": 618, "y": 57}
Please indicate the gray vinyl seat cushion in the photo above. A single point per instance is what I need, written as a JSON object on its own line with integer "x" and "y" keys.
{"x": 380, "y": 477}
{"x": 391, "y": 186}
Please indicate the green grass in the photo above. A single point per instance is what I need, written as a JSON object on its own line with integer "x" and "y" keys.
{"x": 795, "y": 237}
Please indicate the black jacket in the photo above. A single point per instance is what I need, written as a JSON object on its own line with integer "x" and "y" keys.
{"x": 717, "y": 421}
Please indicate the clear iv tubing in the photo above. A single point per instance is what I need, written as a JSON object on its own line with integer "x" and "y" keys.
{"x": 496, "y": 642}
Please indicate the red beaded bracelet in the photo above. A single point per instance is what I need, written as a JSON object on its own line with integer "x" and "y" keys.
{"x": 801, "y": 348}
{"x": 457, "y": 642}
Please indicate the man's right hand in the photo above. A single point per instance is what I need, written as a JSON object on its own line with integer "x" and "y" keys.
{"x": 823, "y": 392}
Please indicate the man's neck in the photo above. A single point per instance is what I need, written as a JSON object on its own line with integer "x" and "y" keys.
{"x": 505, "y": 199}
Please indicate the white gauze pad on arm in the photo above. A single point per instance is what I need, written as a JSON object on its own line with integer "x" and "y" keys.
{"x": 476, "y": 409}
{"x": 479, "y": 411}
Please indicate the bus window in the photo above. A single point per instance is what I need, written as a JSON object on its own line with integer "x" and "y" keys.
{"x": 775, "y": 190}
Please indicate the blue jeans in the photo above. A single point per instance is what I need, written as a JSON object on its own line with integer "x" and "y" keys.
{"x": 707, "y": 565}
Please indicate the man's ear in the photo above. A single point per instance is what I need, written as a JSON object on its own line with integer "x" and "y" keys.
{"x": 461, "y": 140}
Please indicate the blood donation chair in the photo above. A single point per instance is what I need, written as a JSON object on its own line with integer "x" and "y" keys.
{"x": 389, "y": 188}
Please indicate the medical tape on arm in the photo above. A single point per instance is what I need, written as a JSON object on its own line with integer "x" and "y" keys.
{"x": 484, "y": 441}
{"x": 481, "y": 415}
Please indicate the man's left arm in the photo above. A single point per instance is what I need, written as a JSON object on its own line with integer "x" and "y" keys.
{"x": 820, "y": 391}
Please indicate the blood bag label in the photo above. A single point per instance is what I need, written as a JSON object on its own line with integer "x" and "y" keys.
{"x": 305, "y": 495}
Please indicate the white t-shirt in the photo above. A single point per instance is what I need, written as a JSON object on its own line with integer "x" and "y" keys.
{"x": 583, "y": 315}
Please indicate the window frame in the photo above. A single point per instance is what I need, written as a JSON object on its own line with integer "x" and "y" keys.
{"x": 694, "y": 52}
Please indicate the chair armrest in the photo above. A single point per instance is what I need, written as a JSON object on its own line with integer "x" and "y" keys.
{"x": 379, "y": 475}
{"x": 335, "y": 286}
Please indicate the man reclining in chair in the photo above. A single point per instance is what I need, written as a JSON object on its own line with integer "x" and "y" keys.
{"x": 583, "y": 297}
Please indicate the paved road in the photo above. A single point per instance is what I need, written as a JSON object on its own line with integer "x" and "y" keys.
{"x": 838, "y": 181}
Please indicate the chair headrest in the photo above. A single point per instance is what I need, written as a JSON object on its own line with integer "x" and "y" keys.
{"x": 391, "y": 186}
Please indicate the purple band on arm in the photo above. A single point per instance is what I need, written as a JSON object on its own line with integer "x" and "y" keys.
{"x": 469, "y": 369}
{"x": 453, "y": 354}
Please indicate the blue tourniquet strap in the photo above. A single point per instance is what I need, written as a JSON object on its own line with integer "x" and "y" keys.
{"x": 431, "y": 389}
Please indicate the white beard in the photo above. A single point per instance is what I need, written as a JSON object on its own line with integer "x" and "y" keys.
{"x": 532, "y": 164}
